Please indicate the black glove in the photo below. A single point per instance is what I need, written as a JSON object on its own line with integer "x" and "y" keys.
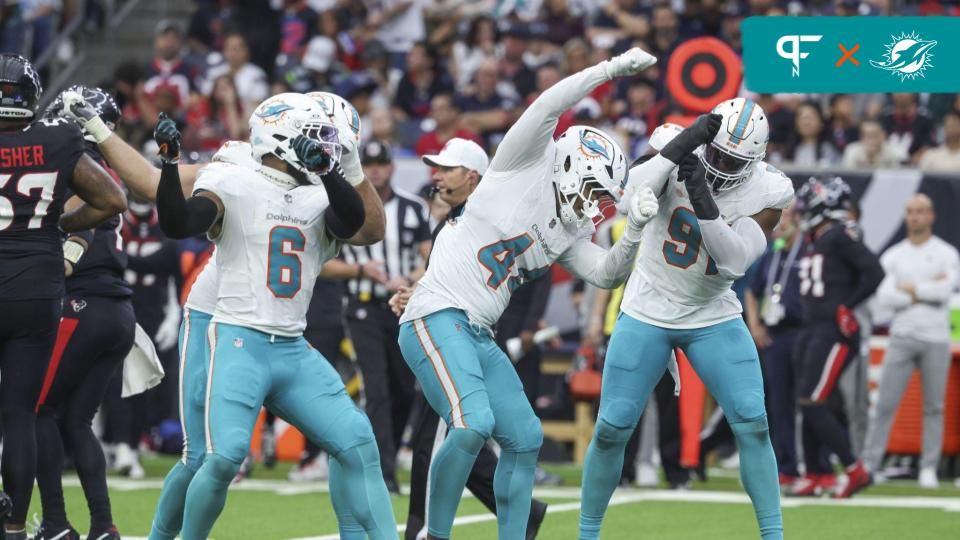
{"x": 168, "y": 139}
{"x": 688, "y": 165}
{"x": 701, "y": 132}
{"x": 699, "y": 192}
{"x": 311, "y": 154}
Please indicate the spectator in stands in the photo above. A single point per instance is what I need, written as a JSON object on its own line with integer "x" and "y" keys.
{"x": 361, "y": 90}
{"x": 297, "y": 26}
{"x": 41, "y": 18}
{"x": 399, "y": 25}
{"x": 782, "y": 123}
{"x": 129, "y": 81}
{"x": 318, "y": 61}
{"x": 382, "y": 127}
{"x": 872, "y": 151}
{"x": 511, "y": 67}
{"x": 423, "y": 80}
{"x": 479, "y": 44}
{"x": 250, "y": 80}
{"x": 908, "y": 126}
{"x": 217, "y": 119}
{"x": 376, "y": 61}
{"x": 842, "y": 125}
{"x": 807, "y": 145}
{"x": 620, "y": 21}
{"x": 946, "y": 157}
{"x": 664, "y": 25}
{"x": 562, "y": 25}
{"x": 634, "y": 124}
{"x": 168, "y": 68}
{"x": 488, "y": 110}
{"x": 207, "y": 23}
{"x": 921, "y": 275}
{"x": 443, "y": 111}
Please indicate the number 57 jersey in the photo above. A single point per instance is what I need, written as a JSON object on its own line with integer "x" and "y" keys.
{"x": 676, "y": 283}
{"x": 270, "y": 248}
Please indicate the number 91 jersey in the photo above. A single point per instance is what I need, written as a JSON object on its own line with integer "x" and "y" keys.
{"x": 270, "y": 249}
{"x": 676, "y": 284}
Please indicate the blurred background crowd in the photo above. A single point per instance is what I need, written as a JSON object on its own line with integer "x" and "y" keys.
{"x": 421, "y": 72}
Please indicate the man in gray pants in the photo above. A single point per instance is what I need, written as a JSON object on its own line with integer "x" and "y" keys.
{"x": 921, "y": 273}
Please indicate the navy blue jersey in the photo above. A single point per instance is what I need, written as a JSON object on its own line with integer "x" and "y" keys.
{"x": 152, "y": 260}
{"x": 100, "y": 272}
{"x": 837, "y": 270}
{"x": 36, "y": 166}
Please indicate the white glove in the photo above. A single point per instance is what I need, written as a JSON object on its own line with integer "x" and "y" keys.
{"x": 169, "y": 329}
{"x": 629, "y": 63}
{"x": 350, "y": 160}
{"x": 643, "y": 208}
{"x": 77, "y": 109}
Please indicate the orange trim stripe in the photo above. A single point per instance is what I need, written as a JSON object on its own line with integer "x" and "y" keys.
{"x": 439, "y": 365}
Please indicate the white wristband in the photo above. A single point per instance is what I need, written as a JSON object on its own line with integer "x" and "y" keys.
{"x": 97, "y": 129}
{"x": 72, "y": 251}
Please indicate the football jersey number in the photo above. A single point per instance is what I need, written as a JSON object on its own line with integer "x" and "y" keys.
{"x": 500, "y": 257}
{"x": 44, "y": 181}
{"x": 283, "y": 263}
{"x": 811, "y": 276}
{"x": 682, "y": 249}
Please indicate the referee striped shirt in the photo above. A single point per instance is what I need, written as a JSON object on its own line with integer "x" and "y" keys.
{"x": 407, "y": 225}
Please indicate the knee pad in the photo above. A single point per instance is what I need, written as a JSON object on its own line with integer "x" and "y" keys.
{"x": 620, "y": 413}
{"x": 223, "y": 470}
{"x": 608, "y": 434}
{"x": 530, "y": 437}
{"x": 748, "y": 406}
{"x": 481, "y": 420}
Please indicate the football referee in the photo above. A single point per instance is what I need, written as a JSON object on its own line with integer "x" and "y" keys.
{"x": 457, "y": 171}
{"x": 372, "y": 274}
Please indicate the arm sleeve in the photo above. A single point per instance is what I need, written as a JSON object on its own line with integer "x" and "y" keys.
{"x": 180, "y": 217}
{"x": 346, "y": 214}
{"x": 938, "y": 291}
{"x": 526, "y": 141}
{"x": 733, "y": 247}
{"x": 868, "y": 268}
{"x": 602, "y": 268}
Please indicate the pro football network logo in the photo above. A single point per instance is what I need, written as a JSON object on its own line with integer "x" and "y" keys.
{"x": 794, "y": 54}
{"x": 907, "y": 56}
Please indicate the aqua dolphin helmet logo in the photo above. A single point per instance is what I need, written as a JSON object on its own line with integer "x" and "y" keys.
{"x": 593, "y": 145}
{"x": 274, "y": 109}
{"x": 907, "y": 56}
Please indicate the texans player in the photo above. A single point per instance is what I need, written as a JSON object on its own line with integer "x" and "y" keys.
{"x": 535, "y": 206}
{"x": 712, "y": 225}
{"x": 39, "y": 160}
{"x": 837, "y": 273}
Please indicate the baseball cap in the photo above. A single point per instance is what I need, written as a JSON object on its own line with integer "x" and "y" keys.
{"x": 376, "y": 153}
{"x": 460, "y": 153}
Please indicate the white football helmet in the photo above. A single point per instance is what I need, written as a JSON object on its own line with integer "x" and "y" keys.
{"x": 340, "y": 111}
{"x": 739, "y": 145}
{"x": 278, "y": 120}
{"x": 587, "y": 161}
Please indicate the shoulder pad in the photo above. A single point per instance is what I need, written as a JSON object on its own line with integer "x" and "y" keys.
{"x": 777, "y": 187}
{"x": 236, "y": 153}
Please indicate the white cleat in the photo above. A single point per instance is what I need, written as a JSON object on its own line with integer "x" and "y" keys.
{"x": 313, "y": 471}
{"x": 928, "y": 478}
{"x": 647, "y": 476}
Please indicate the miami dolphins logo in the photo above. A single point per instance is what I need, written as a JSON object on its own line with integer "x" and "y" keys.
{"x": 594, "y": 145}
{"x": 907, "y": 56}
{"x": 273, "y": 112}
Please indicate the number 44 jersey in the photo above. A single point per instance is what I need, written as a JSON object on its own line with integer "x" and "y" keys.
{"x": 270, "y": 248}
{"x": 509, "y": 233}
{"x": 676, "y": 283}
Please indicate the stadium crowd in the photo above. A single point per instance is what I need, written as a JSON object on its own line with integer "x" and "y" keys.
{"x": 423, "y": 72}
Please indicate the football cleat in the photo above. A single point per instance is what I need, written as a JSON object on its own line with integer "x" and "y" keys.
{"x": 109, "y": 534}
{"x": 856, "y": 479}
{"x": 6, "y": 506}
{"x": 812, "y": 485}
{"x": 49, "y": 532}
{"x": 268, "y": 447}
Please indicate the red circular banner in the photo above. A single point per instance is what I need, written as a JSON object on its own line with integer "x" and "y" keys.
{"x": 703, "y": 72}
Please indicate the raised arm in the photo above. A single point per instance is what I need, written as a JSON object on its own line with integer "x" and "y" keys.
{"x": 526, "y": 141}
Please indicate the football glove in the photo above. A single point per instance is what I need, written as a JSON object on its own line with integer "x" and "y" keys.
{"x": 350, "y": 160}
{"x": 629, "y": 63}
{"x": 167, "y": 137}
{"x": 686, "y": 168}
{"x": 847, "y": 321}
{"x": 311, "y": 154}
{"x": 76, "y": 108}
{"x": 643, "y": 208}
{"x": 701, "y": 132}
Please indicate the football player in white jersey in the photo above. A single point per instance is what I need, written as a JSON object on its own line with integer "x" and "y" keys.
{"x": 710, "y": 227}
{"x": 142, "y": 178}
{"x": 536, "y": 205}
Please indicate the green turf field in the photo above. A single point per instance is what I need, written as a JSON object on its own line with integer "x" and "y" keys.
{"x": 268, "y": 507}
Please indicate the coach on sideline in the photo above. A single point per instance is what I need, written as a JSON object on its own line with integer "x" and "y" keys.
{"x": 921, "y": 273}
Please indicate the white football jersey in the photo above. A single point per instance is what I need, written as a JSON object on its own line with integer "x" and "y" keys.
{"x": 675, "y": 283}
{"x": 270, "y": 248}
{"x": 203, "y": 293}
{"x": 509, "y": 233}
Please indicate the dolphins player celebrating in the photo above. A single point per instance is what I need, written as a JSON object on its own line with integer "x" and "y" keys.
{"x": 711, "y": 226}
{"x": 536, "y": 204}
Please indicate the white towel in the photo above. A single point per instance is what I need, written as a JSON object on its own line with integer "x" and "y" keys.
{"x": 141, "y": 368}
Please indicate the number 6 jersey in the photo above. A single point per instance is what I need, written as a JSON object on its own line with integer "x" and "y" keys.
{"x": 270, "y": 249}
{"x": 675, "y": 283}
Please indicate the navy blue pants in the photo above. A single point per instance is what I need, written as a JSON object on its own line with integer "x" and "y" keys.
{"x": 781, "y": 391}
